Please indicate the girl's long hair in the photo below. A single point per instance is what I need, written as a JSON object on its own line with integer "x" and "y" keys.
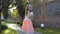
{"x": 26, "y": 11}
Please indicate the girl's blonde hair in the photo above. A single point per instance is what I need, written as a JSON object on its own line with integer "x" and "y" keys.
{"x": 26, "y": 11}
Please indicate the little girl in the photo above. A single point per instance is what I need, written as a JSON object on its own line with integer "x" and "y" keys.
{"x": 27, "y": 23}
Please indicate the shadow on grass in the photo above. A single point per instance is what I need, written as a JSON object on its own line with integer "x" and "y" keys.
{"x": 48, "y": 30}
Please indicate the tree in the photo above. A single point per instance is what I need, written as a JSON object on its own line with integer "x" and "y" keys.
{"x": 20, "y": 8}
{"x": 4, "y": 8}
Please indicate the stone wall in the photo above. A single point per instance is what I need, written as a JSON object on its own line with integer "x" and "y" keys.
{"x": 52, "y": 14}
{"x": 47, "y": 1}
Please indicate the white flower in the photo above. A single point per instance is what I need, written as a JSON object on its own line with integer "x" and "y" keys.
{"x": 42, "y": 25}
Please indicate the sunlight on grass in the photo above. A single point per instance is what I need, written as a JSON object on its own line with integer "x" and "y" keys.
{"x": 9, "y": 31}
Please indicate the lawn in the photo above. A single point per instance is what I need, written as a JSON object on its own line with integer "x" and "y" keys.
{"x": 6, "y": 30}
{"x": 9, "y": 31}
{"x": 48, "y": 30}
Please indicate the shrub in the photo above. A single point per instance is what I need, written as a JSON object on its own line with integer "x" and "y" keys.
{"x": 3, "y": 27}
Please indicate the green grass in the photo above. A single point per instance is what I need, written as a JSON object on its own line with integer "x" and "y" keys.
{"x": 9, "y": 31}
{"x": 48, "y": 30}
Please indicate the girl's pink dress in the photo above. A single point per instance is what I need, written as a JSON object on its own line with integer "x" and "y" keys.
{"x": 27, "y": 25}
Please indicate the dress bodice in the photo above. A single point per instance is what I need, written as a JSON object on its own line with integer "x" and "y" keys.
{"x": 26, "y": 17}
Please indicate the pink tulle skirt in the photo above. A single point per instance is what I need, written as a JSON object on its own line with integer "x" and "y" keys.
{"x": 27, "y": 25}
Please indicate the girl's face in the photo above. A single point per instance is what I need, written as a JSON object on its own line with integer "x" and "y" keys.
{"x": 29, "y": 7}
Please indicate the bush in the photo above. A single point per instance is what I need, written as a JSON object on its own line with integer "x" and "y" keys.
{"x": 3, "y": 27}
